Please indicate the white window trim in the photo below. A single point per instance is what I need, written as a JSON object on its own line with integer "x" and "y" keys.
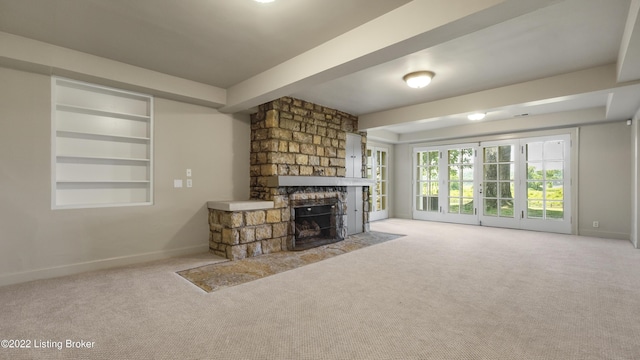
{"x": 381, "y": 214}
{"x": 572, "y": 167}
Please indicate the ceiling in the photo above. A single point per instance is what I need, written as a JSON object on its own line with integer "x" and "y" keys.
{"x": 216, "y": 42}
{"x": 351, "y": 54}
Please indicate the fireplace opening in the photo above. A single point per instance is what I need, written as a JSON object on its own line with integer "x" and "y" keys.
{"x": 315, "y": 225}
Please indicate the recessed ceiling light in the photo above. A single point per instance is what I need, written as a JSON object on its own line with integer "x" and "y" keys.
{"x": 264, "y": 1}
{"x": 418, "y": 79}
{"x": 476, "y": 116}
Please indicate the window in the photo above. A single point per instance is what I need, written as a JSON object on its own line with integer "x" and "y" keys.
{"x": 101, "y": 146}
{"x": 518, "y": 183}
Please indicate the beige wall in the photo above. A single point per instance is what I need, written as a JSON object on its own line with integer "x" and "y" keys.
{"x": 403, "y": 181}
{"x": 36, "y": 241}
{"x": 635, "y": 179}
{"x": 604, "y": 159}
{"x": 604, "y": 192}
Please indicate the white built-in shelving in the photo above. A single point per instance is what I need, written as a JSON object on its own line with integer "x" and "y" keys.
{"x": 102, "y": 146}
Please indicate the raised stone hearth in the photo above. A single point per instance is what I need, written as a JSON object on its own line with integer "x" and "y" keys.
{"x": 245, "y": 233}
{"x": 270, "y": 226}
{"x": 298, "y": 160}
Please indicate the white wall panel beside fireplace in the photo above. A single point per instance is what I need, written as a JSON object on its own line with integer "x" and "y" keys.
{"x": 355, "y": 210}
{"x": 101, "y": 146}
{"x": 353, "y": 161}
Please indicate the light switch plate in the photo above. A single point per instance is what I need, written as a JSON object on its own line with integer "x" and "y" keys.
{"x": 188, "y": 172}
{"x": 177, "y": 183}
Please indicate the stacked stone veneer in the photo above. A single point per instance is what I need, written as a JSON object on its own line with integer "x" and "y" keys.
{"x": 294, "y": 138}
{"x": 240, "y": 234}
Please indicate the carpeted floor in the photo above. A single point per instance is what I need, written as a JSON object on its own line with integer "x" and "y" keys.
{"x": 443, "y": 291}
{"x": 230, "y": 273}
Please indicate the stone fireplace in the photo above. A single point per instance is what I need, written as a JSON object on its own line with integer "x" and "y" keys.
{"x": 298, "y": 184}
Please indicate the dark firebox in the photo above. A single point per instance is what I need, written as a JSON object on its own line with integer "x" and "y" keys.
{"x": 316, "y": 224}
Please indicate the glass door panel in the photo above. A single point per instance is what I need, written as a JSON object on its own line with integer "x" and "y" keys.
{"x": 498, "y": 188}
{"x": 460, "y": 189}
{"x": 377, "y": 170}
{"x": 545, "y": 172}
{"x": 427, "y": 186}
{"x": 499, "y": 181}
{"x": 381, "y": 179}
{"x": 547, "y": 166}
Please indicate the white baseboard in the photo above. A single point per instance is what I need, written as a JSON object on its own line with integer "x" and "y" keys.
{"x": 64, "y": 270}
{"x": 604, "y": 234}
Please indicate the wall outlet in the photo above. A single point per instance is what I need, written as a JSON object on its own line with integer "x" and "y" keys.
{"x": 596, "y": 224}
{"x": 189, "y": 183}
{"x": 188, "y": 172}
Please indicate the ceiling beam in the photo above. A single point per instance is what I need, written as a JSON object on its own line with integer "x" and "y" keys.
{"x": 383, "y": 136}
{"x": 557, "y": 120}
{"x": 601, "y": 78}
{"x": 623, "y": 102}
{"x": 30, "y": 55}
{"x": 415, "y": 26}
{"x": 629, "y": 56}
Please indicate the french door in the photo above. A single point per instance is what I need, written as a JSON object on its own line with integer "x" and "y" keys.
{"x": 547, "y": 184}
{"x": 520, "y": 183}
{"x": 377, "y": 169}
{"x": 498, "y": 187}
{"x": 445, "y": 184}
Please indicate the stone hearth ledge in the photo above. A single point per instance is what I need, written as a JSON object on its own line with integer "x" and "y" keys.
{"x": 240, "y": 205}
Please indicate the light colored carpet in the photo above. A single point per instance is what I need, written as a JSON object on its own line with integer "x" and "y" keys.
{"x": 441, "y": 292}
{"x": 218, "y": 276}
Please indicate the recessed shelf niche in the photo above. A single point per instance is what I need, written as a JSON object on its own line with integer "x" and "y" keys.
{"x": 102, "y": 146}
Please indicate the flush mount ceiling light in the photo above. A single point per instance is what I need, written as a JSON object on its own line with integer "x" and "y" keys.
{"x": 476, "y": 116}
{"x": 264, "y": 1}
{"x": 418, "y": 79}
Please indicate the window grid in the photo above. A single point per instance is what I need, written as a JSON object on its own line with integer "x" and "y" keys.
{"x": 428, "y": 187}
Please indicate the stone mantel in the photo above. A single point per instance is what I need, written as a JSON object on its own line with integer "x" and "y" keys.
{"x": 278, "y": 181}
